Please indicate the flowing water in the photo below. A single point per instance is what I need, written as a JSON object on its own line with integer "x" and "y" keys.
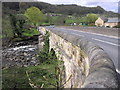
{"x": 20, "y": 56}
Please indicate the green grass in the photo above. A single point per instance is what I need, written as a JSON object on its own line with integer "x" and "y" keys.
{"x": 30, "y": 33}
{"x": 72, "y": 20}
{"x": 41, "y": 74}
{"x": 15, "y": 77}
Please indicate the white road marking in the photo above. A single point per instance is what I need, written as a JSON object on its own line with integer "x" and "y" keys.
{"x": 118, "y": 71}
{"x": 98, "y": 39}
{"x": 95, "y": 33}
{"x": 78, "y": 35}
{"x": 106, "y": 42}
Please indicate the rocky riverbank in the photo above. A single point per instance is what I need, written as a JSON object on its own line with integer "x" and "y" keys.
{"x": 22, "y": 56}
{"x": 17, "y": 42}
{"x": 22, "y": 53}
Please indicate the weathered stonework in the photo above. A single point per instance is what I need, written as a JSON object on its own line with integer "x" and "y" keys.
{"x": 73, "y": 58}
{"x": 88, "y": 64}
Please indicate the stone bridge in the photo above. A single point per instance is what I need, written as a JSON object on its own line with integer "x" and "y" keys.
{"x": 88, "y": 64}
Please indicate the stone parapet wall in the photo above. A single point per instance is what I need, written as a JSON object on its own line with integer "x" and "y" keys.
{"x": 88, "y": 64}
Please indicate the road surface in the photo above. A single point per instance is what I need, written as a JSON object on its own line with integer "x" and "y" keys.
{"x": 110, "y": 44}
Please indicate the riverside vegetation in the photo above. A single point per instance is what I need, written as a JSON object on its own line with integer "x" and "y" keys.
{"x": 46, "y": 75}
{"x": 15, "y": 22}
{"x": 19, "y": 23}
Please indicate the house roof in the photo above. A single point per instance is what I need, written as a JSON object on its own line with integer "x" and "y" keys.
{"x": 113, "y": 20}
{"x": 104, "y": 19}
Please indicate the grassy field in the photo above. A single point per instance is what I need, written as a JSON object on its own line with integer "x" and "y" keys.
{"x": 72, "y": 20}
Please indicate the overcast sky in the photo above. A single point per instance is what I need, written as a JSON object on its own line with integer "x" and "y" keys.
{"x": 109, "y": 5}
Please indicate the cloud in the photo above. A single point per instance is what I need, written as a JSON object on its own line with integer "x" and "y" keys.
{"x": 77, "y": 1}
{"x": 109, "y": 6}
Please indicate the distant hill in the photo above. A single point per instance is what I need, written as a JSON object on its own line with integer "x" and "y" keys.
{"x": 60, "y": 9}
{"x": 10, "y": 9}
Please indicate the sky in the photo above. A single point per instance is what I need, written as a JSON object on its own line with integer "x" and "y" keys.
{"x": 109, "y": 5}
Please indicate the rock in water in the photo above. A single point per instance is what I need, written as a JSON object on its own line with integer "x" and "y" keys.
{"x": 20, "y": 56}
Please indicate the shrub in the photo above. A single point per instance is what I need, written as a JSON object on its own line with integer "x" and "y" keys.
{"x": 30, "y": 32}
{"x": 118, "y": 26}
{"x": 7, "y": 28}
{"x": 49, "y": 73}
{"x": 14, "y": 77}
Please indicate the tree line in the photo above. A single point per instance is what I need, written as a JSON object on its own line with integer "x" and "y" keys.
{"x": 17, "y": 24}
{"x": 62, "y": 9}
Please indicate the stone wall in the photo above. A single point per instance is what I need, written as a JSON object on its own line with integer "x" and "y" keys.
{"x": 88, "y": 64}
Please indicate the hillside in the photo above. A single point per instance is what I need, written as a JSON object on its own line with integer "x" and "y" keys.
{"x": 60, "y": 9}
{"x": 14, "y": 8}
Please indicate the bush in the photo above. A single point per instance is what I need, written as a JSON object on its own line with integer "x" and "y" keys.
{"x": 50, "y": 69}
{"x": 7, "y": 29}
{"x": 92, "y": 24}
{"x": 17, "y": 39}
{"x": 30, "y": 33}
{"x": 118, "y": 26}
{"x": 46, "y": 75}
{"x": 14, "y": 77}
